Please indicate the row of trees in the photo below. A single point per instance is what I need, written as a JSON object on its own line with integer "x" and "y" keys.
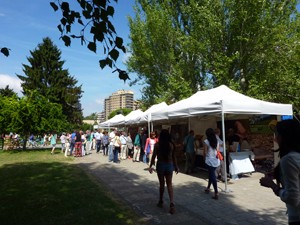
{"x": 181, "y": 46}
{"x": 32, "y": 113}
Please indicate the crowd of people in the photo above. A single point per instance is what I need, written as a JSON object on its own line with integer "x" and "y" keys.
{"x": 117, "y": 145}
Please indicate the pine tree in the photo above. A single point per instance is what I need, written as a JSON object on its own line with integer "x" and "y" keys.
{"x": 45, "y": 74}
{"x": 8, "y": 92}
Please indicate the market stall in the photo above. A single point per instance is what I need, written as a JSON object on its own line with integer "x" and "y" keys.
{"x": 220, "y": 101}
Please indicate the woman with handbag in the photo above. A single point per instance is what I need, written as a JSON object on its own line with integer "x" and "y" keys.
{"x": 211, "y": 160}
{"x": 149, "y": 146}
{"x": 117, "y": 147}
{"x": 221, "y": 169}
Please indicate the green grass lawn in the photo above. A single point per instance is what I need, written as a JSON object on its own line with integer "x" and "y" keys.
{"x": 37, "y": 188}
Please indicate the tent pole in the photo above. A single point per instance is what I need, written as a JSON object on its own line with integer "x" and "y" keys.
{"x": 149, "y": 124}
{"x": 224, "y": 148}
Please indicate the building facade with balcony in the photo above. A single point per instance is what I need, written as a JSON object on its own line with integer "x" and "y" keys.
{"x": 118, "y": 100}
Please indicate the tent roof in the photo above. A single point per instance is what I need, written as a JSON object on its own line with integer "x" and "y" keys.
{"x": 115, "y": 121}
{"x": 220, "y": 99}
{"x": 146, "y": 116}
{"x": 130, "y": 118}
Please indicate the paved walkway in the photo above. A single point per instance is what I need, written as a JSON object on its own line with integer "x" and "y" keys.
{"x": 245, "y": 201}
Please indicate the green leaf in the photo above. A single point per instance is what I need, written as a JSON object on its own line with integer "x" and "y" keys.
{"x": 114, "y": 54}
{"x": 92, "y": 46}
{"x": 89, "y": 7}
{"x": 105, "y": 62}
{"x": 123, "y": 49}
{"x": 109, "y": 62}
{"x": 65, "y": 6}
{"x": 83, "y": 4}
{"x": 54, "y": 6}
{"x": 119, "y": 42}
{"x": 110, "y": 10}
{"x": 86, "y": 14}
{"x": 63, "y": 21}
{"x": 67, "y": 40}
{"x": 102, "y": 63}
{"x": 99, "y": 3}
{"x": 5, "y": 51}
{"x": 101, "y": 27}
{"x": 123, "y": 75}
{"x": 98, "y": 30}
{"x": 103, "y": 15}
{"x": 68, "y": 28}
{"x": 60, "y": 28}
{"x": 111, "y": 27}
{"x": 77, "y": 14}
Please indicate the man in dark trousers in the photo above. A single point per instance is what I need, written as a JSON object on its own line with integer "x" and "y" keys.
{"x": 144, "y": 138}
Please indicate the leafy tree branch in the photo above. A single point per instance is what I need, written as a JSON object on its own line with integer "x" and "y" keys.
{"x": 95, "y": 15}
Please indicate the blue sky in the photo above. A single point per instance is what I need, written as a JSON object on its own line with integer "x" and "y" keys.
{"x": 25, "y": 23}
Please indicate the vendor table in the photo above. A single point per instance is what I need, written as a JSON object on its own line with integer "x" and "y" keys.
{"x": 239, "y": 162}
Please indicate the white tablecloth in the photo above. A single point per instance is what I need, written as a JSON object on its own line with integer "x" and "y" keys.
{"x": 240, "y": 162}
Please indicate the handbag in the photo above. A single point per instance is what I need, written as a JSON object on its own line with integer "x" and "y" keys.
{"x": 148, "y": 149}
{"x": 219, "y": 154}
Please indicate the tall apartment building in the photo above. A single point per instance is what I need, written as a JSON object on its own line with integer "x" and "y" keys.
{"x": 100, "y": 117}
{"x": 118, "y": 100}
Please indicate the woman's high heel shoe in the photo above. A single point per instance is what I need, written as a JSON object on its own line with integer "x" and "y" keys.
{"x": 207, "y": 191}
{"x": 172, "y": 208}
{"x": 216, "y": 197}
{"x": 160, "y": 204}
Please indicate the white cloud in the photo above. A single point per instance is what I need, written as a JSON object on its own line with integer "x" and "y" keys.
{"x": 125, "y": 57}
{"x": 13, "y": 83}
{"x": 100, "y": 101}
{"x": 2, "y": 14}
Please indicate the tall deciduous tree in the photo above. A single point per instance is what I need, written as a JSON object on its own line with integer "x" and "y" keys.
{"x": 45, "y": 74}
{"x": 251, "y": 46}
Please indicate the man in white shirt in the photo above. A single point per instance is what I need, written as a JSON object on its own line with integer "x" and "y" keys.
{"x": 97, "y": 136}
{"x": 111, "y": 139}
{"x": 123, "y": 140}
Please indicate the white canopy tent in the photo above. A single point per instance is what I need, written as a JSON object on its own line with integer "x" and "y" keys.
{"x": 146, "y": 116}
{"x": 221, "y": 100}
{"x": 117, "y": 120}
{"x": 131, "y": 117}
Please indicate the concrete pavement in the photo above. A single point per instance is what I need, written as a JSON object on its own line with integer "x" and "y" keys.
{"x": 244, "y": 202}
